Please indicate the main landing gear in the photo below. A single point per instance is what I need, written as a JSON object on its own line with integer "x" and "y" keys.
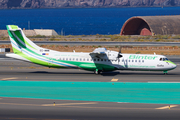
{"x": 97, "y": 71}
{"x": 165, "y": 72}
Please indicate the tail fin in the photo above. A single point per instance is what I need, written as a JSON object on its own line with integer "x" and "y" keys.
{"x": 19, "y": 41}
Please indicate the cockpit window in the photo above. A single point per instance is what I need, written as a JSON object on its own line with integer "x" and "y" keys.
{"x": 163, "y": 59}
{"x": 166, "y": 59}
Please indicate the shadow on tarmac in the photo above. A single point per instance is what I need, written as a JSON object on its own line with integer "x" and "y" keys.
{"x": 106, "y": 73}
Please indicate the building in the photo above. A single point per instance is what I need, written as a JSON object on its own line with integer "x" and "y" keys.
{"x": 151, "y": 25}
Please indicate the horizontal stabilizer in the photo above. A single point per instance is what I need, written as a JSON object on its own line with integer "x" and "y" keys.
{"x": 13, "y": 28}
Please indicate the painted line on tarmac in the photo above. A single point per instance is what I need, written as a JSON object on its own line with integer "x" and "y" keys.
{"x": 16, "y": 118}
{"x": 163, "y": 82}
{"x": 19, "y": 104}
{"x": 167, "y": 107}
{"x": 88, "y": 107}
{"x": 9, "y": 78}
{"x": 114, "y": 80}
{"x": 70, "y": 104}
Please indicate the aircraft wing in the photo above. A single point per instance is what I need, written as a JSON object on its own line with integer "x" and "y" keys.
{"x": 99, "y": 52}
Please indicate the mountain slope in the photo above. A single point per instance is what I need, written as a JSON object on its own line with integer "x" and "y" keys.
{"x": 8, "y": 4}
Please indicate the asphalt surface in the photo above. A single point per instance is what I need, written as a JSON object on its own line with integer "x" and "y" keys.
{"x": 104, "y": 43}
{"x": 35, "y": 109}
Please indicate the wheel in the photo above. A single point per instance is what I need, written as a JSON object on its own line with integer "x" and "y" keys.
{"x": 97, "y": 71}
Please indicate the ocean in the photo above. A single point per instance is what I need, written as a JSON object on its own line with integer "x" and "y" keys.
{"x": 79, "y": 21}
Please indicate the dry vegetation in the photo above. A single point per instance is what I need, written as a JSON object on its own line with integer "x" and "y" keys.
{"x": 110, "y": 38}
{"x": 161, "y": 50}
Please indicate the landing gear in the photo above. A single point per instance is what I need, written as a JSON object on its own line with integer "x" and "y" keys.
{"x": 165, "y": 72}
{"x": 97, "y": 71}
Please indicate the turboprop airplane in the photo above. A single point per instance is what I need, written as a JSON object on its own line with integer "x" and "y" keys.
{"x": 100, "y": 60}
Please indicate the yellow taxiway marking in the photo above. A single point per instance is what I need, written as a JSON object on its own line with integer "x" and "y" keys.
{"x": 70, "y": 104}
{"x": 114, "y": 80}
{"x": 9, "y": 78}
{"x": 167, "y": 107}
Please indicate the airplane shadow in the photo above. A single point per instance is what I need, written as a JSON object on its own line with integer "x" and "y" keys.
{"x": 45, "y": 72}
{"x": 77, "y": 73}
{"x": 104, "y": 73}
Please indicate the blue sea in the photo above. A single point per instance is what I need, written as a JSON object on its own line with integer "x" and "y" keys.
{"x": 79, "y": 21}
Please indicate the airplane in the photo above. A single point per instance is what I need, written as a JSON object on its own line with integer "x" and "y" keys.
{"x": 100, "y": 60}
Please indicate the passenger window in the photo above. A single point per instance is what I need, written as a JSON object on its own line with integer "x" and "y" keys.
{"x": 139, "y": 60}
{"x": 105, "y": 60}
{"x": 84, "y": 59}
{"x": 66, "y": 58}
{"x": 97, "y": 59}
{"x": 76, "y": 59}
{"x": 135, "y": 60}
{"x": 129, "y": 60}
{"x": 63, "y": 58}
{"x": 160, "y": 59}
{"x": 87, "y": 59}
{"x": 101, "y": 59}
{"x": 80, "y": 59}
{"x": 122, "y": 60}
{"x": 73, "y": 59}
{"x": 94, "y": 59}
{"x": 132, "y": 60}
{"x": 70, "y": 59}
{"x": 59, "y": 58}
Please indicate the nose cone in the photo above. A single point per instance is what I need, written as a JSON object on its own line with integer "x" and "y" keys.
{"x": 173, "y": 65}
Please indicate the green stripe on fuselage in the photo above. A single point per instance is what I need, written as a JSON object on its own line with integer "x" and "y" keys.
{"x": 170, "y": 62}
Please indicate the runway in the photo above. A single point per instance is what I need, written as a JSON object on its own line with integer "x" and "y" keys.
{"x": 34, "y": 109}
{"x": 102, "y": 43}
{"x": 19, "y": 70}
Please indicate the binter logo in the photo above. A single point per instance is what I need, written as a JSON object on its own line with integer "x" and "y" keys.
{"x": 145, "y": 57}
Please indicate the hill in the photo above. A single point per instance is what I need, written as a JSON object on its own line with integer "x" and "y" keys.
{"x": 11, "y": 4}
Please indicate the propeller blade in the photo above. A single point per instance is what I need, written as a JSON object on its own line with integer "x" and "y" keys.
{"x": 119, "y": 54}
{"x": 120, "y": 49}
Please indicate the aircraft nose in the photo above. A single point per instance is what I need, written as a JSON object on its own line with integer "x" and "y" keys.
{"x": 174, "y": 65}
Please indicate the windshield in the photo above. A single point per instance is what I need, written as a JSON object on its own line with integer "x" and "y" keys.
{"x": 163, "y": 59}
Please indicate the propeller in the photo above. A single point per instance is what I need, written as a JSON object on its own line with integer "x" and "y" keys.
{"x": 119, "y": 54}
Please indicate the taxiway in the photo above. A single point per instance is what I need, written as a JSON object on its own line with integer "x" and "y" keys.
{"x": 35, "y": 109}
